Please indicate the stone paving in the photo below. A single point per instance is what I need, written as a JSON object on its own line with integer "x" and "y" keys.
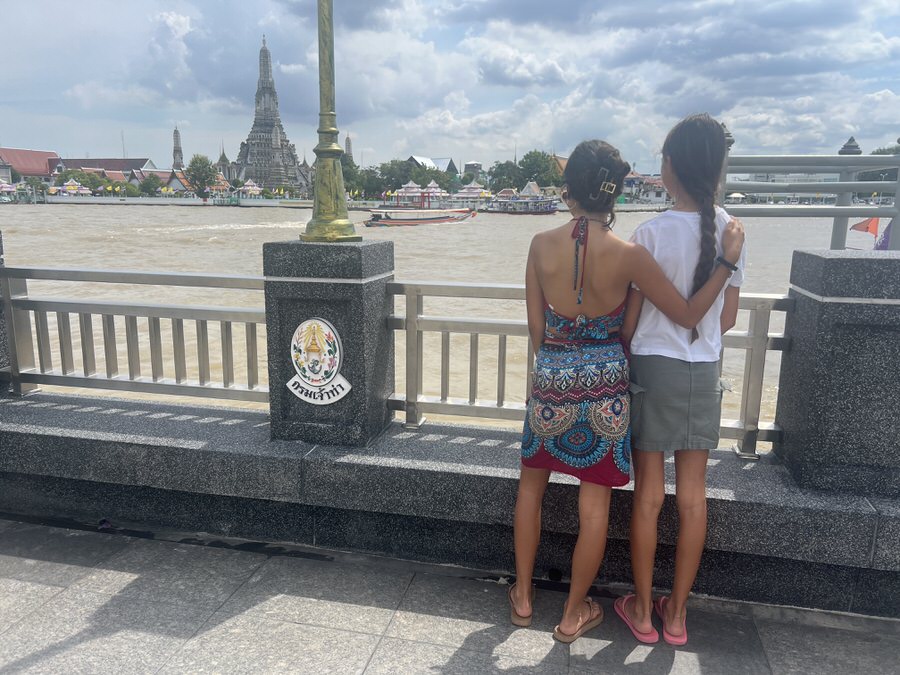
{"x": 77, "y": 601}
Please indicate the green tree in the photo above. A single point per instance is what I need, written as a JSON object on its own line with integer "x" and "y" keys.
{"x": 504, "y": 175}
{"x": 352, "y": 181}
{"x": 541, "y": 168}
{"x": 131, "y": 190}
{"x": 36, "y": 184}
{"x": 15, "y": 175}
{"x": 424, "y": 176}
{"x": 372, "y": 182}
{"x": 202, "y": 174}
{"x": 150, "y": 185}
{"x": 91, "y": 180}
{"x": 396, "y": 173}
{"x": 237, "y": 183}
{"x": 468, "y": 178}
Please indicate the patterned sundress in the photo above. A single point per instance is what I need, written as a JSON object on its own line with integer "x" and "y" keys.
{"x": 578, "y": 417}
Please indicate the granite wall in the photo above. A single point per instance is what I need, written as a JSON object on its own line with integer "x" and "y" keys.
{"x": 839, "y": 390}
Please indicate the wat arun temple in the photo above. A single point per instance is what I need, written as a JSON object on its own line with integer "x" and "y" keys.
{"x": 267, "y": 157}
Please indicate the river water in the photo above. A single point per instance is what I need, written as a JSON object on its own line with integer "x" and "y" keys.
{"x": 490, "y": 248}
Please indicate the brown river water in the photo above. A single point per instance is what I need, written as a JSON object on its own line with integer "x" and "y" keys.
{"x": 490, "y": 248}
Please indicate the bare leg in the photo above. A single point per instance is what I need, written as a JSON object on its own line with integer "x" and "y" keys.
{"x": 593, "y": 523}
{"x": 649, "y": 492}
{"x": 690, "y": 495}
{"x": 527, "y": 533}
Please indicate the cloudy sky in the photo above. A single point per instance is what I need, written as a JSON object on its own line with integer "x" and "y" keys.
{"x": 470, "y": 79}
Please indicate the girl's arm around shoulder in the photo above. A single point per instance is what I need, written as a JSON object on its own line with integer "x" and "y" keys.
{"x": 646, "y": 273}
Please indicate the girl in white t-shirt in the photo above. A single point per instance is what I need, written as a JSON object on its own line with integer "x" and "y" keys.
{"x": 676, "y": 391}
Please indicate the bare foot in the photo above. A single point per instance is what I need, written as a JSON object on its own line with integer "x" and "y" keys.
{"x": 572, "y": 621}
{"x": 640, "y": 620}
{"x": 521, "y": 595}
{"x": 673, "y": 622}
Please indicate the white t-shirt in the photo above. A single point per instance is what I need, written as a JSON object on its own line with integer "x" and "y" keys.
{"x": 673, "y": 239}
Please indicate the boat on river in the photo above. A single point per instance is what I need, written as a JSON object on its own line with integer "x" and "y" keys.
{"x": 531, "y": 201}
{"x": 528, "y": 206}
{"x": 399, "y": 217}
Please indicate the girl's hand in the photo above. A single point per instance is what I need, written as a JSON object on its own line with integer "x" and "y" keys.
{"x": 733, "y": 240}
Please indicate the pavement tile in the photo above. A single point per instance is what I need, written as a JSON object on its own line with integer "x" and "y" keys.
{"x": 795, "y": 648}
{"x": 82, "y": 632}
{"x": 474, "y": 615}
{"x": 52, "y": 555}
{"x": 400, "y": 656}
{"x": 323, "y": 593}
{"x": 170, "y": 572}
{"x": 19, "y": 598}
{"x": 251, "y": 644}
{"x": 716, "y": 644}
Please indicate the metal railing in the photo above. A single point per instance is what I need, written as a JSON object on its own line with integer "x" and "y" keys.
{"x": 846, "y": 167}
{"x": 756, "y": 341}
{"x": 28, "y": 320}
{"x": 32, "y": 358}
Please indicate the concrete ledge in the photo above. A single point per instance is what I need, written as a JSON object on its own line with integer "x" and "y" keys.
{"x": 443, "y": 494}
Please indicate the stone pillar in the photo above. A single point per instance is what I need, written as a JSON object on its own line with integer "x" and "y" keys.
{"x": 345, "y": 285}
{"x": 4, "y": 339}
{"x": 839, "y": 392}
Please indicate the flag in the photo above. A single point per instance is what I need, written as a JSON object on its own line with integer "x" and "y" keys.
{"x": 882, "y": 243}
{"x": 869, "y": 225}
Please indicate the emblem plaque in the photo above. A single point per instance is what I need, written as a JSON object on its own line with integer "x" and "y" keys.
{"x": 316, "y": 354}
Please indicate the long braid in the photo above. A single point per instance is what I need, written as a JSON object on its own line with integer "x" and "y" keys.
{"x": 707, "y": 242}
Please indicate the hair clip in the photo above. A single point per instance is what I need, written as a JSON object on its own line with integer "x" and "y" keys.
{"x": 605, "y": 185}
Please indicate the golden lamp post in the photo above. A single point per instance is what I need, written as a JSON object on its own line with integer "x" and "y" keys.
{"x": 330, "y": 221}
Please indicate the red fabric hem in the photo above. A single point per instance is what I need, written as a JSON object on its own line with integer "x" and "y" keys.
{"x": 605, "y": 472}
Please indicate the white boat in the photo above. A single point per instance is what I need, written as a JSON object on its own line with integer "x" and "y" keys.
{"x": 398, "y": 217}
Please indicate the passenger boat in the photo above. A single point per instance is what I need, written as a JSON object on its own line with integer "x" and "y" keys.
{"x": 396, "y": 217}
{"x": 534, "y": 206}
{"x": 529, "y": 202}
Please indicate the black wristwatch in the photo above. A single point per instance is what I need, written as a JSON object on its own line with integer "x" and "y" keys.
{"x": 724, "y": 263}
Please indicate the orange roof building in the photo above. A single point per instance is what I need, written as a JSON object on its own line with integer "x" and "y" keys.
{"x": 38, "y": 163}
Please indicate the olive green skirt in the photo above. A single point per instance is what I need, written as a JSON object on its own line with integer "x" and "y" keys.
{"x": 675, "y": 405}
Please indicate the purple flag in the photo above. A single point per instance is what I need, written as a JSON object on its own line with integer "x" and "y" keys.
{"x": 882, "y": 243}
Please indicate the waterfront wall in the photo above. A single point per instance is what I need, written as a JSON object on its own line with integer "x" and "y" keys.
{"x": 342, "y": 476}
{"x": 839, "y": 389}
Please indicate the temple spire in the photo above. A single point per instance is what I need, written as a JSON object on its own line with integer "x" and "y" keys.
{"x": 177, "y": 153}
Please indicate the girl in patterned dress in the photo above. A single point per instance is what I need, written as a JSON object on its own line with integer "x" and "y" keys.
{"x": 577, "y": 418}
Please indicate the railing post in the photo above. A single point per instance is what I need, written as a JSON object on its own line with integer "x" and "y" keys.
{"x": 17, "y": 345}
{"x": 754, "y": 372}
{"x": 414, "y": 308}
{"x": 893, "y": 243}
{"x": 839, "y": 227}
{"x": 729, "y": 141}
{"x": 4, "y": 340}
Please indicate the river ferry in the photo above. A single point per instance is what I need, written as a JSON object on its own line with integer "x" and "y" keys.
{"x": 533, "y": 206}
{"x": 531, "y": 201}
{"x": 396, "y": 217}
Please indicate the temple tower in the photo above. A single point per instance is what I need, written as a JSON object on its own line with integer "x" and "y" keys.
{"x": 348, "y": 148}
{"x": 177, "y": 154}
{"x": 267, "y": 156}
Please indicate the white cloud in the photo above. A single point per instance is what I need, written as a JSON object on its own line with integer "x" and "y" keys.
{"x": 472, "y": 78}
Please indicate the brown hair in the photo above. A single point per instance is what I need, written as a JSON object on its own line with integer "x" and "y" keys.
{"x": 594, "y": 176}
{"x": 696, "y": 150}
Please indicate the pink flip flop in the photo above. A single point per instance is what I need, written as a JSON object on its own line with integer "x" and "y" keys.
{"x": 647, "y": 638}
{"x": 676, "y": 640}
